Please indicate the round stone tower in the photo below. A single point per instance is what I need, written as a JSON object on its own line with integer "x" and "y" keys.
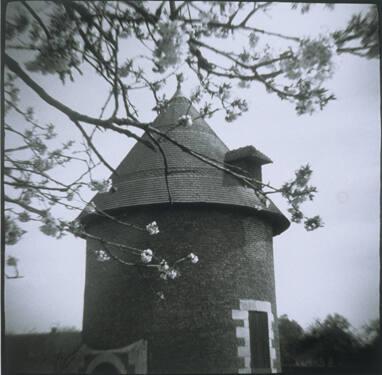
{"x": 220, "y": 315}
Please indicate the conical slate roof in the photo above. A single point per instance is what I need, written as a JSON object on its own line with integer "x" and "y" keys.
{"x": 140, "y": 178}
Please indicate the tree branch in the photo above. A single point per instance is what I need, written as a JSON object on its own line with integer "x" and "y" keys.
{"x": 15, "y": 68}
{"x": 37, "y": 18}
{"x": 25, "y": 206}
{"x": 250, "y": 14}
{"x": 91, "y": 145}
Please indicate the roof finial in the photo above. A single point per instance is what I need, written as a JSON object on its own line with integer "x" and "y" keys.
{"x": 180, "y": 79}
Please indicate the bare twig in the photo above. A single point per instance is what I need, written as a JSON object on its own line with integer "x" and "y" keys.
{"x": 107, "y": 124}
{"x": 25, "y": 206}
{"x": 91, "y": 145}
{"x": 37, "y": 18}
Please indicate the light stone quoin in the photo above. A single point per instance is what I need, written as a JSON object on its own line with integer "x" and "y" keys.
{"x": 244, "y": 351}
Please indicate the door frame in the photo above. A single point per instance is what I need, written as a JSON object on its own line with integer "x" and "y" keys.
{"x": 243, "y": 334}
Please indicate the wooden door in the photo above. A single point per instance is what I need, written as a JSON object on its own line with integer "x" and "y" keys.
{"x": 259, "y": 340}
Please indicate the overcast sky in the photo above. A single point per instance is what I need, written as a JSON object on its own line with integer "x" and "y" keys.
{"x": 332, "y": 270}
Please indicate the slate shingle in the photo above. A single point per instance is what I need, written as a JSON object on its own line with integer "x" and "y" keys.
{"x": 140, "y": 178}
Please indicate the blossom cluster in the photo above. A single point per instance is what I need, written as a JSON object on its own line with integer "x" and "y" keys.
{"x": 102, "y": 256}
{"x": 161, "y": 295}
{"x": 101, "y": 186}
{"x": 193, "y": 258}
{"x": 163, "y": 266}
{"x": 91, "y": 208}
{"x": 152, "y": 228}
{"x": 185, "y": 120}
{"x": 171, "y": 46}
{"x": 166, "y": 272}
{"x": 170, "y": 274}
{"x": 258, "y": 207}
{"x": 146, "y": 256}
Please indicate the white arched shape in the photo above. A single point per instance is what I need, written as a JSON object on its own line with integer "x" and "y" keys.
{"x": 107, "y": 358}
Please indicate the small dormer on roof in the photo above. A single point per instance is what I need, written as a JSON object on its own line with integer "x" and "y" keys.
{"x": 247, "y": 152}
{"x": 248, "y": 159}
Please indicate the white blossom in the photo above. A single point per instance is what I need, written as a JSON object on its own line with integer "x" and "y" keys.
{"x": 193, "y": 258}
{"x": 172, "y": 274}
{"x": 146, "y": 256}
{"x": 185, "y": 120}
{"x": 169, "y": 273}
{"x": 163, "y": 266}
{"x": 102, "y": 186}
{"x": 91, "y": 208}
{"x": 102, "y": 256}
{"x": 108, "y": 184}
{"x": 160, "y": 294}
{"x": 152, "y": 228}
{"x": 171, "y": 46}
